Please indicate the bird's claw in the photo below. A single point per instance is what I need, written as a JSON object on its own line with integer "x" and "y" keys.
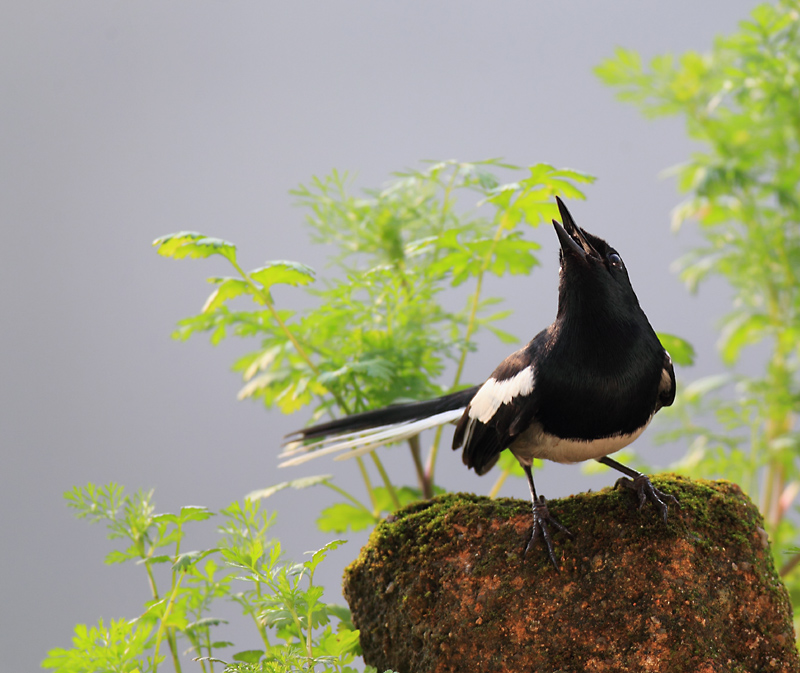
{"x": 646, "y": 491}
{"x": 541, "y": 519}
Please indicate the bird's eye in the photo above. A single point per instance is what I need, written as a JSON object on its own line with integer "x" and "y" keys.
{"x": 614, "y": 259}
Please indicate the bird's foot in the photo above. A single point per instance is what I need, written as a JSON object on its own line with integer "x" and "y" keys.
{"x": 646, "y": 491}
{"x": 541, "y": 519}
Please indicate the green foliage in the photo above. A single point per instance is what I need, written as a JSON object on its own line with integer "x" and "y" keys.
{"x": 398, "y": 248}
{"x": 295, "y": 629}
{"x": 681, "y": 351}
{"x": 740, "y": 102}
{"x": 121, "y": 647}
{"x": 378, "y": 332}
{"x": 345, "y": 516}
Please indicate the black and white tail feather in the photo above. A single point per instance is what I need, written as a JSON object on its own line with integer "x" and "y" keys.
{"x": 581, "y": 389}
{"x": 361, "y": 442}
{"x": 365, "y": 432}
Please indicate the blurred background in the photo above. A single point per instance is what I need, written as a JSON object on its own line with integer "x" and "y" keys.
{"x": 120, "y": 122}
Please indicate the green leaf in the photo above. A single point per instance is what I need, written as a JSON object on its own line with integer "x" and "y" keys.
{"x": 188, "y": 559}
{"x": 283, "y": 272}
{"x": 194, "y": 513}
{"x": 205, "y": 622}
{"x": 507, "y": 461}
{"x": 337, "y": 644}
{"x": 161, "y": 558}
{"x": 345, "y": 516}
{"x": 342, "y": 517}
{"x": 299, "y": 484}
{"x": 680, "y": 350}
{"x": 621, "y": 69}
{"x": 698, "y": 389}
{"x": 117, "y": 556}
{"x": 742, "y": 330}
{"x": 342, "y": 613}
{"x": 194, "y": 246}
{"x": 505, "y": 337}
{"x": 167, "y": 245}
{"x": 249, "y": 656}
{"x": 122, "y": 646}
{"x": 575, "y": 176}
{"x": 227, "y": 288}
{"x": 318, "y": 556}
{"x": 513, "y": 255}
{"x": 214, "y": 660}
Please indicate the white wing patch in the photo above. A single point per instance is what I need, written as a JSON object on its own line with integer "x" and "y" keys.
{"x": 493, "y": 394}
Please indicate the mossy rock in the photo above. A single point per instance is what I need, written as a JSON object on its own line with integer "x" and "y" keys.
{"x": 443, "y": 586}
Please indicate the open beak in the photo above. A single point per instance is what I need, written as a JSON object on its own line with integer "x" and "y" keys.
{"x": 572, "y": 240}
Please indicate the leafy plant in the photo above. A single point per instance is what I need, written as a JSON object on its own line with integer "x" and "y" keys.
{"x": 296, "y": 630}
{"x": 739, "y": 102}
{"x": 396, "y": 250}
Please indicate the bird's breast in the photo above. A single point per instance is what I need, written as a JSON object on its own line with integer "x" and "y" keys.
{"x": 608, "y": 392}
{"x": 536, "y": 443}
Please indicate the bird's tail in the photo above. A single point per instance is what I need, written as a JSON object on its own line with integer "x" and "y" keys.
{"x": 367, "y": 431}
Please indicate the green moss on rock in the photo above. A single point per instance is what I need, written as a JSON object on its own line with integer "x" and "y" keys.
{"x": 442, "y": 586}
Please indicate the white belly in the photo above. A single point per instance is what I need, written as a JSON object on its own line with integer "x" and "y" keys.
{"x": 534, "y": 443}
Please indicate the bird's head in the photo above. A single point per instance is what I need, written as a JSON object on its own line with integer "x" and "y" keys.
{"x": 593, "y": 278}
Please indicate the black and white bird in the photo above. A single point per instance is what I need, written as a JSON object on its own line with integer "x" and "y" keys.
{"x": 581, "y": 389}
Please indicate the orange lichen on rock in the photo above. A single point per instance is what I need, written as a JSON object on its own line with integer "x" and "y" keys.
{"x": 442, "y": 586}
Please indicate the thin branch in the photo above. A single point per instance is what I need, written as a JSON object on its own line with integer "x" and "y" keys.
{"x": 498, "y": 484}
{"x": 424, "y": 483}
{"x": 471, "y": 327}
{"x": 386, "y": 481}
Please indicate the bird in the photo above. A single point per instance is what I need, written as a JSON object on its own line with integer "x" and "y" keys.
{"x": 583, "y": 388}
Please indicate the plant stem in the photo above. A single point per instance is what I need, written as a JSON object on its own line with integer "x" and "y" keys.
{"x": 471, "y": 326}
{"x": 424, "y": 483}
{"x": 263, "y": 295}
{"x": 476, "y": 297}
{"x": 446, "y": 205}
{"x": 262, "y": 631}
{"x": 151, "y": 579}
{"x": 498, "y": 484}
{"x": 349, "y": 497}
{"x": 368, "y": 482}
{"x": 299, "y": 625}
{"x": 162, "y": 627}
{"x": 790, "y": 565}
{"x": 309, "y": 622}
{"x": 386, "y": 481}
{"x": 173, "y": 646}
{"x": 210, "y": 651}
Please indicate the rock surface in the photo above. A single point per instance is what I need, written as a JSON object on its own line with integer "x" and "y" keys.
{"x": 442, "y": 586}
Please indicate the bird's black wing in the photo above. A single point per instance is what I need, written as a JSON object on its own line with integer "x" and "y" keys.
{"x": 501, "y": 409}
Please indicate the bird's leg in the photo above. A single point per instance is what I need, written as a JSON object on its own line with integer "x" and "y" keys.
{"x": 541, "y": 518}
{"x": 641, "y": 484}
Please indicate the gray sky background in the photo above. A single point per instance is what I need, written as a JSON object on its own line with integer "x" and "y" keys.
{"x": 123, "y": 121}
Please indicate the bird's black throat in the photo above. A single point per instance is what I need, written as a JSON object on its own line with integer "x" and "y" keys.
{"x": 597, "y": 378}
